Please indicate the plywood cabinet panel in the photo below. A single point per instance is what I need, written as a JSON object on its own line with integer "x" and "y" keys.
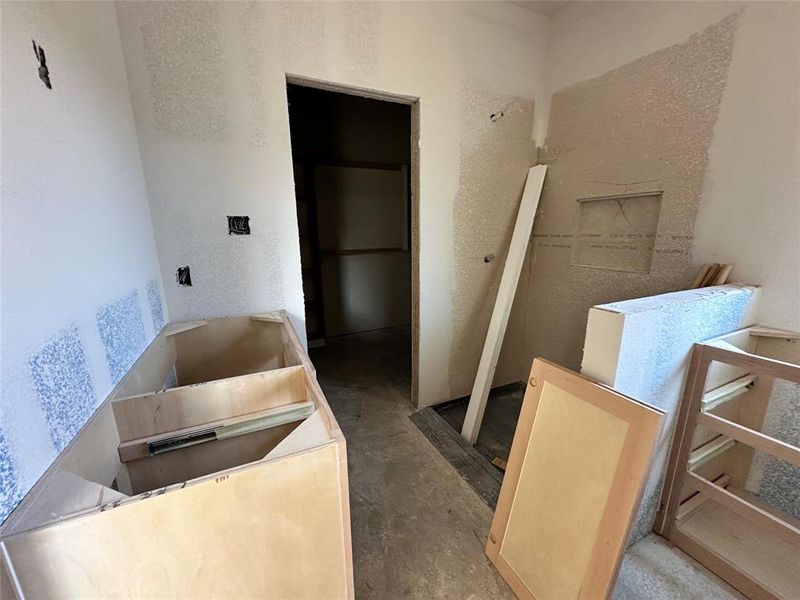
{"x": 572, "y": 486}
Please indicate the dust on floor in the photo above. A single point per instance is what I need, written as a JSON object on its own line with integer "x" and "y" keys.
{"x": 418, "y": 528}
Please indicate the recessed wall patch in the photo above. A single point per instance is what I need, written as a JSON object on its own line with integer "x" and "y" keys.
{"x": 44, "y": 72}
{"x": 238, "y": 225}
{"x": 183, "y": 276}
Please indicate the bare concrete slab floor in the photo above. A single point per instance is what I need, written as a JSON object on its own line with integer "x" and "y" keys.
{"x": 418, "y": 528}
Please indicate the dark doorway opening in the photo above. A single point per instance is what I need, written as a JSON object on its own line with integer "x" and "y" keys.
{"x": 352, "y": 163}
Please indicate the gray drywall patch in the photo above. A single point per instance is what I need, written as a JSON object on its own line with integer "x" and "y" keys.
{"x": 62, "y": 382}
{"x": 495, "y": 156}
{"x": 183, "y": 58}
{"x": 780, "y": 481}
{"x": 122, "y": 331}
{"x": 642, "y": 128}
{"x": 156, "y": 308}
{"x": 780, "y": 486}
{"x": 10, "y": 493}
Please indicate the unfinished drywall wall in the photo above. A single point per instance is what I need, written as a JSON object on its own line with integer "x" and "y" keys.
{"x": 226, "y": 148}
{"x": 496, "y": 150}
{"x": 748, "y": 210}
{"x": 642, "y": 128}
{"x": 81, "y": 284}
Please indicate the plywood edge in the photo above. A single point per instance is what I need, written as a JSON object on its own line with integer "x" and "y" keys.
{"x": 760, "y": 331}
{"x": 295, "y": 346}
{"x": 347, "y": 535}
{"x": 315, "y": 393}
{"x": 310, "y": 433}
{"x": 95, "y": 420}
{"x": 271, "y": 374}
{"x": 276, "y": 316}
{"x": 169, "y": 489}
{"x": 136, "y": 416}
{"x": 721, "y": 566}
{"x": 180, "y": 327}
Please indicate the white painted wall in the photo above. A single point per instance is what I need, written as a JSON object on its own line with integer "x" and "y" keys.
{"x": 76, "y": 229}
{"x": 750, "y": 211}
{"x": 208, "y": 89}
{"x": 363, "y": 209}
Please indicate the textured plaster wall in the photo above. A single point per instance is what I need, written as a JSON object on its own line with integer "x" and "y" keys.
{"x": 644, "y": 127}
{"x": 497, "y": 155}
{"x": 747, "y": 210}
{"x": 81, "y": 291}
{"x": 750, "y": 211}
{"x": 775, "y": 480}
{"x": 208, "y": 89}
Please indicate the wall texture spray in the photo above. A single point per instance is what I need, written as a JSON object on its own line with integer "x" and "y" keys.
{"x": 644, "y": 127}
{"x": 79, "y": 266}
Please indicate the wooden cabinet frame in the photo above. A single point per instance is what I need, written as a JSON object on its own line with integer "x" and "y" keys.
{"x": 230, "y": 487}
{"x": 737, "y": 368}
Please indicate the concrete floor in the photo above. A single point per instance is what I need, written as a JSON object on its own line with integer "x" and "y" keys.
{"x": 418, "y": 528}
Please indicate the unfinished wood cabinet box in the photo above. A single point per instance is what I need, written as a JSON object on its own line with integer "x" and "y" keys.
{"x": 706, "y": 508}
{"x": 215, "y": 469}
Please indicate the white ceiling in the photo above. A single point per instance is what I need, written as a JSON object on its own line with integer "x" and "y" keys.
{"x": 543, "y": 7}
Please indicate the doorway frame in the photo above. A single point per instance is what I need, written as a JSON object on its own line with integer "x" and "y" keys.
{"x": 413, "y": 102}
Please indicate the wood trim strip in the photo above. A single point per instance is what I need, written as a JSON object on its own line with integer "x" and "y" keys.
{"x": 690, "y": 506}
{"x": 722, "y": 567}
{"x": 752, "y": 438}
{"x": 176, "y": 328}
{"x": 754, "y": 362}
{"x": 512, "y": 268}
{"x": 273, "y": 317}
{"x": 689, "y": 407}
{"x": 727, "y": 392}
{"x": 775, "y": 333}
{"x": 709, "y": 450}
{"x": 749, "y": 511}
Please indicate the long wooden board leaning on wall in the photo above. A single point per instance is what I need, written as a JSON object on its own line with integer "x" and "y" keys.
{"x": 231, "y": 488}
{"x": 572, "y": 486}
{"x": 712, "y": 507}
